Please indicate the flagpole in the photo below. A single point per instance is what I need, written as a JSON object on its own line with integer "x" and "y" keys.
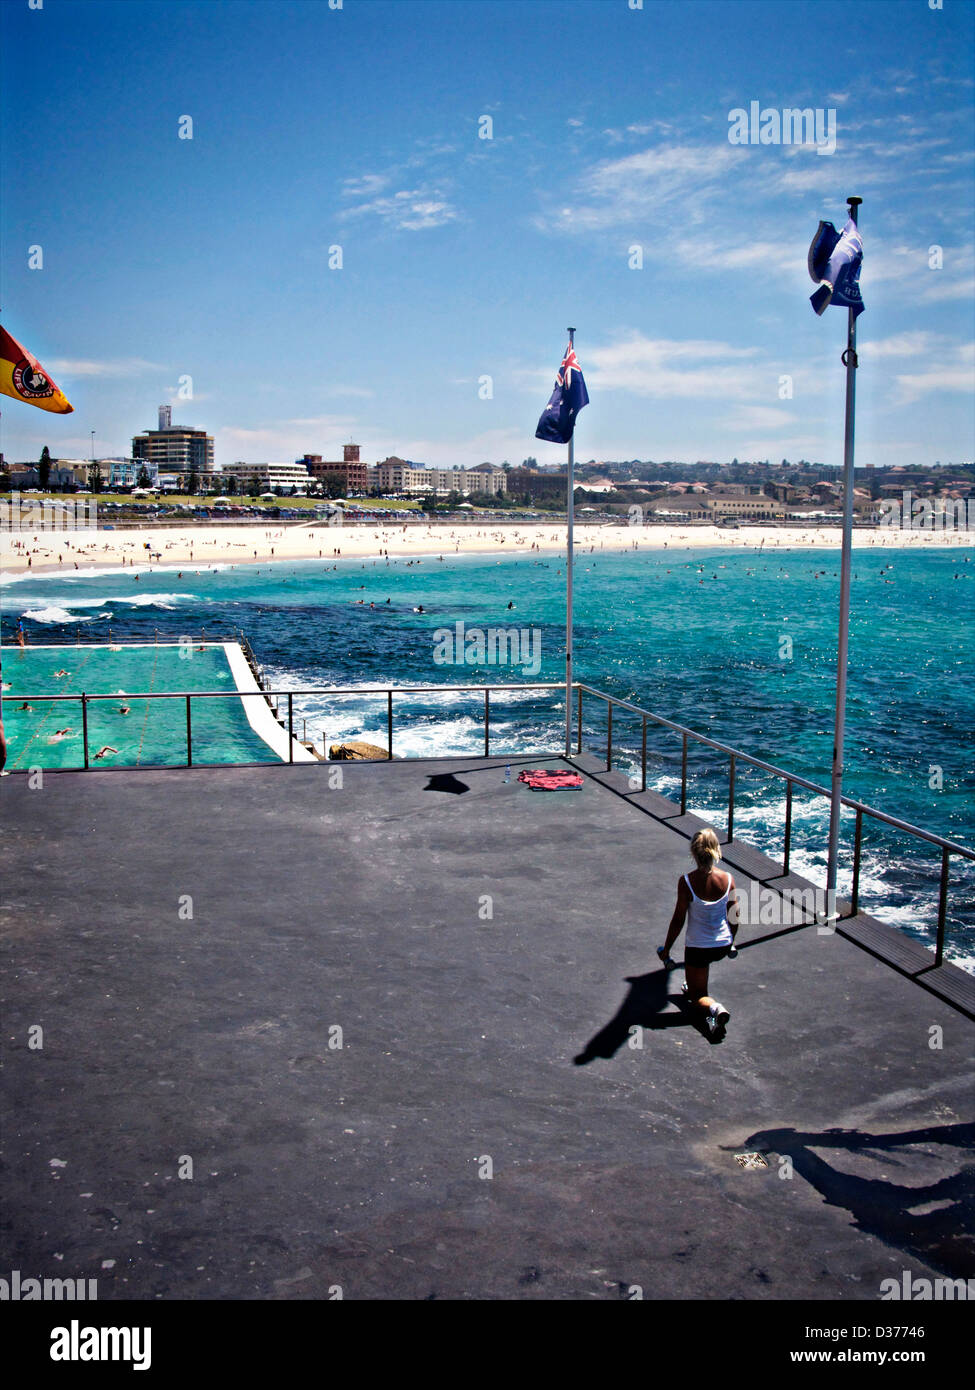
{"x": 850, "y": 362}
{"x": 570, "y": 514}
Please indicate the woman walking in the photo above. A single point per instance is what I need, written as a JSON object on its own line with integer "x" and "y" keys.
{"x": 707, "y": 898}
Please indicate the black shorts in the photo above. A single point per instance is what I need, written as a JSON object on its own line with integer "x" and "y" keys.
{"x": 704, "y": 955}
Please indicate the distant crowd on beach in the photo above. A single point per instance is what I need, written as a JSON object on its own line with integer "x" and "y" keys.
{"x": 205, "y": 546}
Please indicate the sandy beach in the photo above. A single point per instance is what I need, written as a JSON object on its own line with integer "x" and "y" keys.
{"x": 67, "y": 552}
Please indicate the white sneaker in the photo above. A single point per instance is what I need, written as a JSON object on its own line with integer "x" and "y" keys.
{"x": 719, "y": 1015}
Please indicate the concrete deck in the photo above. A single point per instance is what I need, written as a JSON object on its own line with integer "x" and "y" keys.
{"x": 489, "y": 1127}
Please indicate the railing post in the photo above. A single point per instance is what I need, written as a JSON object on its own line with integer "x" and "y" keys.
{"x": 942, "y": 908}
{"x": 189, "y": 734}
{"x": 389, "y": 724}
{"x": 609, "y": 735}
{"x": 84, "y": 724}
{"x": 579, "y": 730}
{"x": 855, "y": 891}
{"x": 291, "y": 728}
{"x": 643, "y": 782}
{"x": 788, "y": 824}
{"x": 731, "y": 799}
{"x": 683, "y": 775}
{"x": 487, "y": 722}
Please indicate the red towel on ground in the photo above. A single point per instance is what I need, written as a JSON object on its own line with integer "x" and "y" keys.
{"x": 549, "y": 779}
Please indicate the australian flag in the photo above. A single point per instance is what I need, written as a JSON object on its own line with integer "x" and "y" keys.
{"x": 558, "y": 419}
{"x": 835, "y": 259}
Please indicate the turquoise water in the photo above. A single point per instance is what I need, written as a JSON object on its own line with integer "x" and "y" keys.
{"x": 739, "y": 646}
{"x": 152, "y": 733}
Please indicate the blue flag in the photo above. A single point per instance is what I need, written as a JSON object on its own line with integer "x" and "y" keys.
{"x": 558, "y": 419}
{"x": 835, "y": 259}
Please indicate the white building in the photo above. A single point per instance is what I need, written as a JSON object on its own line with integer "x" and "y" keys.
{"x": 269, "y": 475}
{"x": 398, "y": 475}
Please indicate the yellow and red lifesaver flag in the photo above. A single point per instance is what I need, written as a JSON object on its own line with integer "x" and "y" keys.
{"x": 23, "y": 377}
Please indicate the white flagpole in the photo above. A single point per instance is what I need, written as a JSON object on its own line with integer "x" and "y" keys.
{"x": 850, "y": 362}
{"x": 570, "y": 514}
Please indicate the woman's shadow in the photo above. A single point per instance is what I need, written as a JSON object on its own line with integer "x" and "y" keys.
{"x": 644, "y": 1007}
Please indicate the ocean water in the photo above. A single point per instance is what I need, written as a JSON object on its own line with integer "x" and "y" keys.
{"x": 738, "y": 646}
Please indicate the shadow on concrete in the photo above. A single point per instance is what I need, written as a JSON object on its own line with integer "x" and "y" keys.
{"x": 445, "y": 782}
{"x": 644, "y": 1007}
{"x": 944, "y": 1238}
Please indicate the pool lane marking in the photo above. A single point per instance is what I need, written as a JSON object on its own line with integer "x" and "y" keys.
{"x": 145, "y": 721}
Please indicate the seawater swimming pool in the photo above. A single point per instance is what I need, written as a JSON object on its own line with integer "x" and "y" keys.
{"x": 153, "y": 732}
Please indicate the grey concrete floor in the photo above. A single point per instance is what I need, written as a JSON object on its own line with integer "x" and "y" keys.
{"x": 519, "y": 1107}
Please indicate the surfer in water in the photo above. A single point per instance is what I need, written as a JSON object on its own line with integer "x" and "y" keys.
{"x": 706, "y": 897}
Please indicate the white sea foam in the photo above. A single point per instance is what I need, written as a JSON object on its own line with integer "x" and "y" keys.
{"x": 416, "y": 734}
{"x": 187, "y": 568}
{"x": 54, "y": 614}
{"x": 168, "y": 601}
{"x": 69, "y": 601}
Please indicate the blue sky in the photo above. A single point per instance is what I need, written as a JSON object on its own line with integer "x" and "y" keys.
{"x": 464, "y": 258}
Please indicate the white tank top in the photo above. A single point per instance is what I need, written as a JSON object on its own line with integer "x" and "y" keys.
{"x": 707, "y": 922}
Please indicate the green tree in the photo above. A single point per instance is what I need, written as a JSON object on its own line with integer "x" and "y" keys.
{"x": 254, "y": 488}
{"x": 95, "y": 477}
{"x": 231, "y": 486}
{"x": 44, "y": 468}
{"x": 193, "y": 482}
{"x": 144, "y": 478}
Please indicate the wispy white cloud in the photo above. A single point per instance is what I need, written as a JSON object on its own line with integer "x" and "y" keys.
{"x": 282, "y": 440}
{"x": 114, "y": 367}
{"x": 408, "y": 209}
{"x": 644, "y": 187}
{"x": 665, "y": 368}
{"x": 953, "y": 371}
{"x": 943, "y": 287}
{"x": 365, "y": 185}
{"x": 759, "y": 417}
{"x": 899, "y": 345}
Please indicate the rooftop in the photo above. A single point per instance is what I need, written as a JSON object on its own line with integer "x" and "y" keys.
{"x": 519, "y": 1108}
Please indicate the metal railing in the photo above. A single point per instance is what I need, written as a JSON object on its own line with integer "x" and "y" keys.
{"x": 734, "y": 756}
{"x": 267, "y": 694}
{"x": 791, "y": 780}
